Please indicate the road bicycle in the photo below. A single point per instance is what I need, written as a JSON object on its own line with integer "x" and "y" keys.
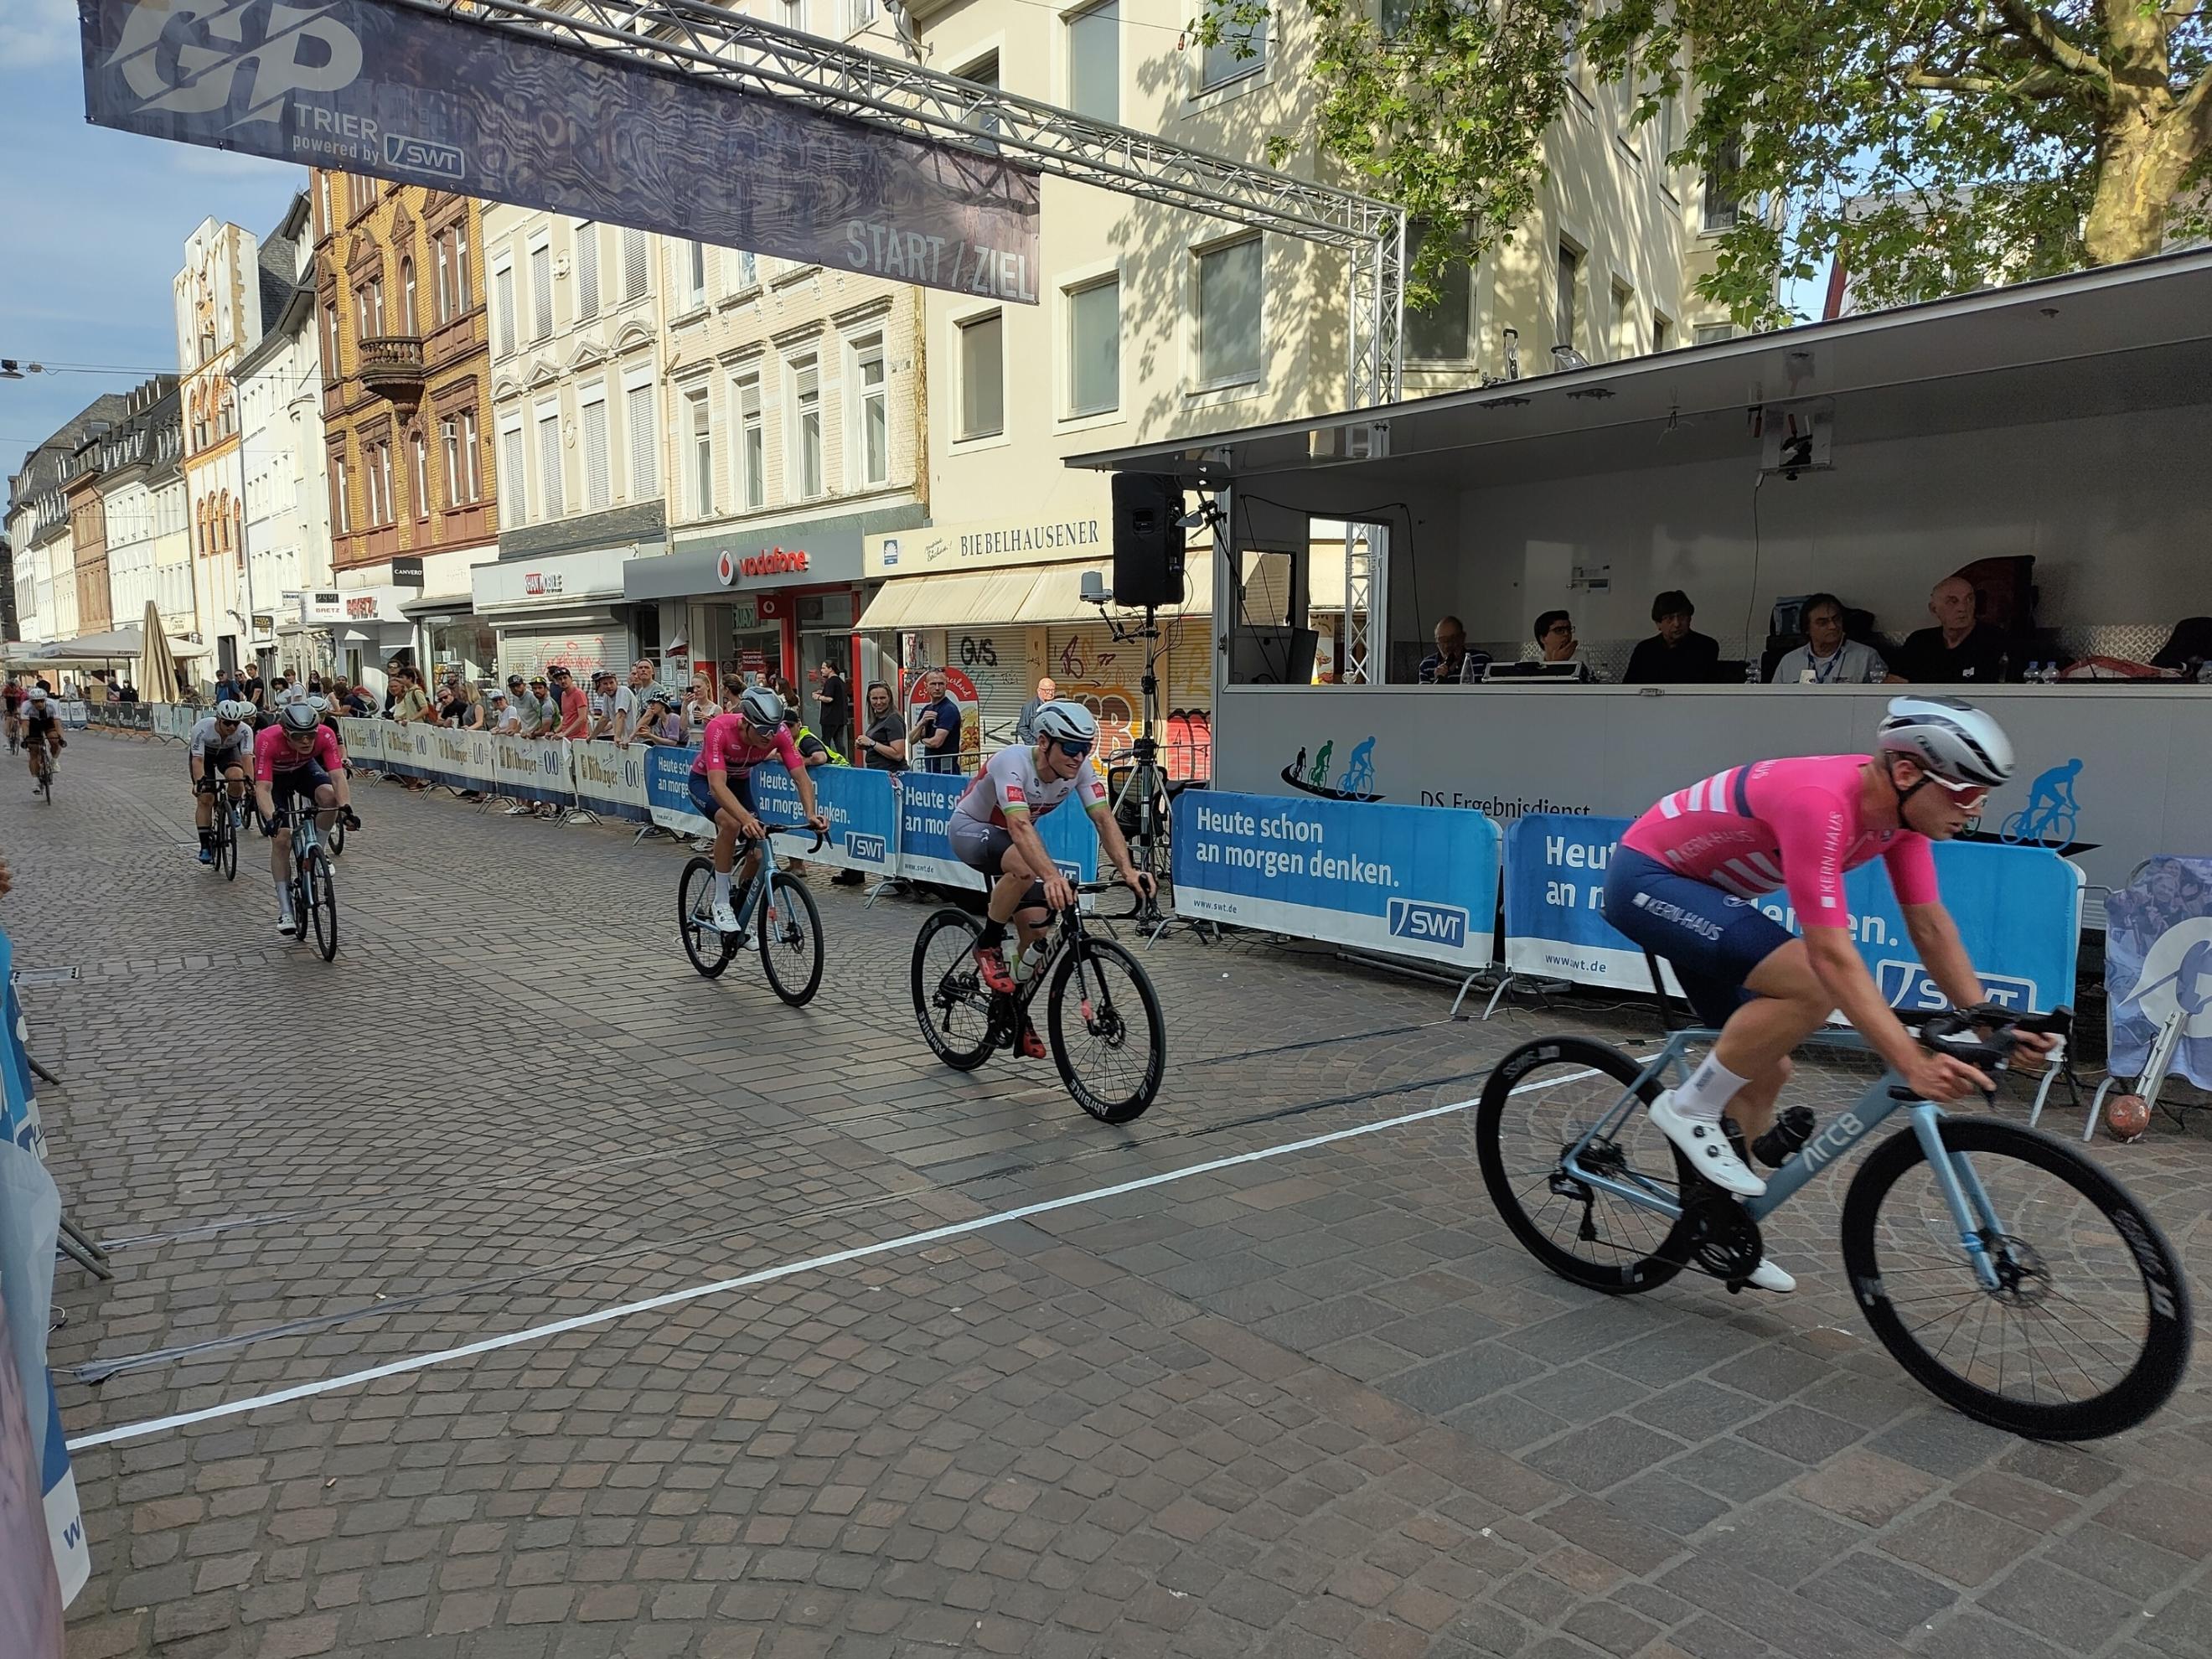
{"x": 314, "y": 892}
{"x": 44, "y": 760}
{"x": 1104, "y": 1018}
{"x": 2009, "y": 1275}
{"x": 227, "y": 826}
{"x": 790, "y": 928}
{"x": 2049, "y": 826}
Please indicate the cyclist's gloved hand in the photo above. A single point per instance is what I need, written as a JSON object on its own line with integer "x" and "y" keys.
{"x": 1943, "y": 1079}
{"x": 352, "y": 818}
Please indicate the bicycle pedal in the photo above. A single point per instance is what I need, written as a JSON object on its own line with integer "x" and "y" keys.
{"x": 1787, "y": 1137}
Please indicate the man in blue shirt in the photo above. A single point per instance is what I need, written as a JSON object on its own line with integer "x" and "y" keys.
{"x": 936, "y": 734}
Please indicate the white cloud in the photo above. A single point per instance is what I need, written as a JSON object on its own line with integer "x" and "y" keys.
{"x": 34, "y": 33}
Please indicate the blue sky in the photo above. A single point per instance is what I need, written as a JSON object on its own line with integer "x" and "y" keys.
{"x": 95, "y": 224}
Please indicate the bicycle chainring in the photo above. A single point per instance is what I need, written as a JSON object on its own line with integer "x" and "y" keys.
{"x": 1721, "y": 1239}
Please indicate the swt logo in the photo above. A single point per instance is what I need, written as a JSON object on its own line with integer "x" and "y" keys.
{"x": 1908, "y": 986}
{"x": 441, "y": 161}
{"x": 1435, "y": 924}
{"x": 184, "y": 55}
{"x": 867, "y": 850}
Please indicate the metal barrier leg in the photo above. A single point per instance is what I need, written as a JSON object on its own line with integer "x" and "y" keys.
{"x": 42, "y": 1070}
{"x": 1495, "y": 996}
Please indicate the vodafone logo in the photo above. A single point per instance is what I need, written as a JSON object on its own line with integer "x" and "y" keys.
{"x": 725, "y": 568}
{"x": 774, "y": 562}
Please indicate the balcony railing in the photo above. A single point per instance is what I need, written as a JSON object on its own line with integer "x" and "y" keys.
{"x": 391, "y": 365}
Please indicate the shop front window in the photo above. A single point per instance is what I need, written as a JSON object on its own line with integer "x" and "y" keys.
{"x": 462, "y": 642}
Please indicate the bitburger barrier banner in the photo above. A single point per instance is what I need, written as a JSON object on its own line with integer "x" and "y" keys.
{"x": 1412, "y": 881}
{"x": 529, "y": 769}
{"x": 611, "y": 779}
{"x": 490, "y": 103}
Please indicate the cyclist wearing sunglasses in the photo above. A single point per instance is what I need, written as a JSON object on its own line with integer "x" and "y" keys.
{"x": 994, "y": 830}
{"x": 1681, "y": 885}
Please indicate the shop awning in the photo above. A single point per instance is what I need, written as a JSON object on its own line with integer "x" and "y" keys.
{"x": 948, "y": 600}
{"x": 1057, "y": 594}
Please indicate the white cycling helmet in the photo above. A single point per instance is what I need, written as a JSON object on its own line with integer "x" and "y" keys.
{"x": 1064, "y": 722}
{"x": 1952, "y": 739}
{"x": 234, "y": 709}
{"x": 761, "y": 708}
{"x": 298, "y": 717}
{"x": 37, "y": 694}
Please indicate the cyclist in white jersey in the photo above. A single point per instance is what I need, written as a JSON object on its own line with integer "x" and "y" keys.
{"x": 220, "y": 746}
{"x": 994, "y": 830}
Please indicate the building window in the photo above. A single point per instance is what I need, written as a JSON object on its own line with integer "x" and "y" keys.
{"x": 514, "y": 503}
{"x": 633, "y": 255}
{"x": 859, "y": 14}
{"x": 752, "y": 443}
{"x": 871, "y": 423}
{"x": 502, "y": 310}
{"x": 1624, "y": 321}
{"x": 695, "y": 269}
{"x": 541, "y": 292}
{"x": 1714, "y": 333}
{"x": 599, "y": 486}
{"x": 984, "y": 72}
{"x": 341, "y": 508}
{"x": 323, "y": 202}
{"x": 1094, "y": 348}
{"x": 1663, "y": 332}
{"x": 794, "y": 14}
{"x": 1722, "y": 202}
{"x": 748, "y": 270}
{"x": 549, "y": 462}
{"x": 806, "y": 427}
{"x": 443, "y": 290}
{"x": 1228, "y": 312}
{"x": 587, "y": 273}
{"x": 421, "y": 472}
{"x": 1242, "y": 50}
{"x": 1563, "y": 311}
{"x": 464, "y": 474}
{"x": 407, "y": 296}
{"x": 701, "y": 452}
{"x": 381, "y": 508}
{"x": 1445, "y": 331}
{"x": 644, "y": 452}
{"x": 449, "y": 436}
{"x": 1094, "y": 62}
{"x": 982, "y": 376}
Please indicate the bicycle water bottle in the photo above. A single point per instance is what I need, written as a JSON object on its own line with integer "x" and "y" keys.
{"x": 1026, "y": 962}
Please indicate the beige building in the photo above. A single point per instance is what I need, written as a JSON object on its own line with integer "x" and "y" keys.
{"x": 1154, "y": 322}
{"x": 794, "y": 398}
{"x": 218, "y": 299}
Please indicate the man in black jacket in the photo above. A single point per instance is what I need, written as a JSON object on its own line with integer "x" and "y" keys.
{"x": 1677, "y": 654}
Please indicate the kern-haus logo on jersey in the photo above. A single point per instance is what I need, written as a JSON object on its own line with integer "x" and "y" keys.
{"x": 193, "y": 57}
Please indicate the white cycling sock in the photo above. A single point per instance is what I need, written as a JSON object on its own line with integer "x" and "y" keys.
{"x": 1709, "y": 1091}
{"x": 284, "y": 897}
{"x": 721, "y": 887}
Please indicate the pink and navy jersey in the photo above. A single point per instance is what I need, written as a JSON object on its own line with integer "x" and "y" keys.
{"x": 1790, "y": 824}
{"x": 731, "y": 746}
{"x": 272, "y": 754}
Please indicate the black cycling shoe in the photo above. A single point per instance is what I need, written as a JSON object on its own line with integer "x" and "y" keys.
{"x": 1793, "y": 1127}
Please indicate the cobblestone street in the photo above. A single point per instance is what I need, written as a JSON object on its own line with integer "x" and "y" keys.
{"x": 1309, "y": 1400}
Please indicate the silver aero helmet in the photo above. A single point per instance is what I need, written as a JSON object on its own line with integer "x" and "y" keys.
{"x": 761, "y": 708}
{"x": 298, "y": 718}
{"x": 234, "y": 709}
{"x": 1954, "y": 740}
{"x": 1064, "y": 722}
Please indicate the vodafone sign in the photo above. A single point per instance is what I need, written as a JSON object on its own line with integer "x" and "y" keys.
{"x": 768, "y": 562}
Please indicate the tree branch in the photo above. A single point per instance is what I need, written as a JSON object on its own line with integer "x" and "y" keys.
{"x": 2041, "y": 31}
{"x": 1928, "y": 81}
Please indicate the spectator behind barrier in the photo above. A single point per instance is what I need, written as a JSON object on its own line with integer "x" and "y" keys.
{"x": 1677, "y": 654}
{"x": 1828, "y": 657}
{"x": 935, "y": 733}
{"x": 882, "y": 745}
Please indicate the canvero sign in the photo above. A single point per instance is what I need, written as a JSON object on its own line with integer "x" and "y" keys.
{"x": 480, "y": 105}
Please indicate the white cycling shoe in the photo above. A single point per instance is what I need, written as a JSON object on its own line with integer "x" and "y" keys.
{"x": 1768, "y": 1277}
{"x": 1705, "y": 1144}
{"x": 725, "y": 918}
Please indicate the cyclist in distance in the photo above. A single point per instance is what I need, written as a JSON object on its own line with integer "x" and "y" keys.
{"x": 220, "y": 746}
{"x": 749, "y": 730}
{"x": 296, "y": 757}
{"x": 42, "y": 730}
{"x": 1682, "y": 883}
{"x": 994, "y": 830}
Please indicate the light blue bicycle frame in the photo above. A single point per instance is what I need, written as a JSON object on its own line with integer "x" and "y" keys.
{"x": 1971, "y": 1209}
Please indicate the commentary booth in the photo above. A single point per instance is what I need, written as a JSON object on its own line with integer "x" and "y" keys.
{"x": 2065, "y": 423}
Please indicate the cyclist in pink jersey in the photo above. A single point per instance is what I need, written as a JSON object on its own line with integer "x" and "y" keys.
{"x": 1681, "y": 885}
{"x": 749, "y": 730}
{"x": 295, "y": 758}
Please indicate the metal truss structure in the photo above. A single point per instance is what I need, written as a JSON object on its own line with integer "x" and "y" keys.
{"x": 704, "y": 42}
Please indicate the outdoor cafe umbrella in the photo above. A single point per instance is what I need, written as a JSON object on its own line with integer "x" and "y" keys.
{"x": 157, "y": 663}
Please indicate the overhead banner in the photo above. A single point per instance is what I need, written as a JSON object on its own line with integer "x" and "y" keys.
{"x": 2018, "y": 910}
{"x": 1413, "y": 881}
{"x": 490, "y": 105}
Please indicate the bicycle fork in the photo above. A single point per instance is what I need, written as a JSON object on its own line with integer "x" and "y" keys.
{"x": 1968, "y": 1200}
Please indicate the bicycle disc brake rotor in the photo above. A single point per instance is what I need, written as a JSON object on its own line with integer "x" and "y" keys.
{"x": 1723, "y": 1241}
{"x": 2023, "y": 1276}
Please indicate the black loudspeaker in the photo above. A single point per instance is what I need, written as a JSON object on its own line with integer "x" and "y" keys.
{"x": 1148, "y": 542}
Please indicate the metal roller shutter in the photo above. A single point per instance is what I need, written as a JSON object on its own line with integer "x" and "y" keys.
{"x": 1092, "y": 666}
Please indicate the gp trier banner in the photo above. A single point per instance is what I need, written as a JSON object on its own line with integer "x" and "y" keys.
{"x": 483, "y": 104}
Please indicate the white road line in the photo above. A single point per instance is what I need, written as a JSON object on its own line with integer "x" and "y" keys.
{"x": 692, "y": 1293}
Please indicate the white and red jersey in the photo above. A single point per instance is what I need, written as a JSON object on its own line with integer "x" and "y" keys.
{"x": 1778, "y": 824}
{"x": 1010, "y": 782}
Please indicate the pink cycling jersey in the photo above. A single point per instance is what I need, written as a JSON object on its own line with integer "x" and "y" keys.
{"x": 732, "y": 745}
{"x": 272, "y": 754}
{"x": 1789, "y": 823}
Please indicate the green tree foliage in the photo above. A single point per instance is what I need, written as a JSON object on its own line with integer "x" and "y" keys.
{"x": 1936, "y": 144}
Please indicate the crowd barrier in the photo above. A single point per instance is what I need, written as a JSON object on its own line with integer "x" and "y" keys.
{"x": 30, "y": 1229}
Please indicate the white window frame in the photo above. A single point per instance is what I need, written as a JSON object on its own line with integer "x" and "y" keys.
{"x": 503, "y": 317}
{"x": 557, "y": 476}
{"x": 589, "y": 398}
{"x": 635, "y": 381}
{"x": 749, "y": 467}
{"x": 584, "y": 256}
{"x": 1069, "y": 21}
{"x": 1249, "y": 71}
{"x": 1072, "y": 285}
{"x": 514, "y": 498}
{"x": 542, "y": 320}
{"x": 958, "y": 357}
{"x": 1226, "y": 387}
{"x": 695, "y": 272}
{"x": 861, "y": 350}
{"x": 695, "y": 399}
{"x": 795, "y": 478}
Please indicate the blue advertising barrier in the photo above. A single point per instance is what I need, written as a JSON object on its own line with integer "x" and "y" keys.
{"x": 668, "y": 791}
{"x": 1413, "y": 881}
{"x": 862, "y": 811}
{"x": 2018, "y": 910}
{"x": 925, "y": 811}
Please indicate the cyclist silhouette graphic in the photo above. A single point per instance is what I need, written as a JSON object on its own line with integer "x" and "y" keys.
{"x": 1359, "y": 770}
{"x": 1319, "y": 773}
{"x": 2050, "y": 813}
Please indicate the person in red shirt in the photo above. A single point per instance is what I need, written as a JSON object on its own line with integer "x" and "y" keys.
{"x": 575, "y": 707}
